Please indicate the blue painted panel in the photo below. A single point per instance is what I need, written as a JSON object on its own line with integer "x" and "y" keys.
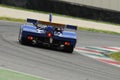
{"x": 29, "y": 28}
{"x": 69, "y": 34}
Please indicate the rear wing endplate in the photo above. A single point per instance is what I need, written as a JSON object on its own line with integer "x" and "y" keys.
{"x": 71, "y": 27}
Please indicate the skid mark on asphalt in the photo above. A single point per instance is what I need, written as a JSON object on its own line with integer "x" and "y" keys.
{"x": 99, "y": 53}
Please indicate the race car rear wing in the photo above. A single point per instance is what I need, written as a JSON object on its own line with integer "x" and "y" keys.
{"x": 34, "y": 21}
{"x": 71, "y": 27}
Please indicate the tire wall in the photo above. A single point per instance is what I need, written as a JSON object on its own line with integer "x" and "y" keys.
{"x": 66, "y": 8}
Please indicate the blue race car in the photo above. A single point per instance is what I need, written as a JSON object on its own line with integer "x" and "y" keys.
{"x": 53, "y": 35}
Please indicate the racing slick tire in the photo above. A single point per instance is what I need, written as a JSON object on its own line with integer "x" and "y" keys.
{"x": 69, "y": 49}
{"x": 20, "y": 38}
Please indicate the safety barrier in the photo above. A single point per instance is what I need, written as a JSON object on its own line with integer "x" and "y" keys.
{"x": 60, "y": 7}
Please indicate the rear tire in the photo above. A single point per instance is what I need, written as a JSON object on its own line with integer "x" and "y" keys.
{"x": 22, "y": 41}
{"x": 69, "y": 49}
{"x": 20, "y": 38}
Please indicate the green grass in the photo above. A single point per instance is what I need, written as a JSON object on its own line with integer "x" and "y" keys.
{"x": 11, "y": 75}
{"x": 115, "y": 56}
{"x": 79, "y": 28}
{"x": 96, "y": 30}
{"x": 2, "y": 5}
{"x": 12, "y": 19}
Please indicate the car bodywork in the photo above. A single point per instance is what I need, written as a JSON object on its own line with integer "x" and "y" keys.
{"x": 43, "y": 33}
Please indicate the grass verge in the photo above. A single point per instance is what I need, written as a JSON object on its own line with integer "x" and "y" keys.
{"x": 12, "y": 19}
{"x": 115, "y": 56}
{"x": 11, "y": 75}
{"x": 96, "y": 30}
{"x": 79, "y": 28}
{"x": 19, "y": 8}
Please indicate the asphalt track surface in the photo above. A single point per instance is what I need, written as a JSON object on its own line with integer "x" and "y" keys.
{"x": 56, "y": 65}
